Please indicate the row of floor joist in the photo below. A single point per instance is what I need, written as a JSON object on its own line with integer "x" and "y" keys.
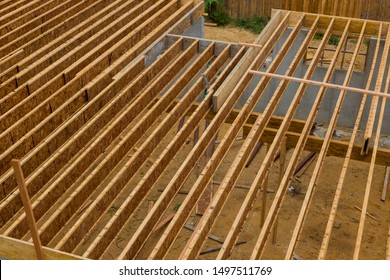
{"x": 128, "y": 136}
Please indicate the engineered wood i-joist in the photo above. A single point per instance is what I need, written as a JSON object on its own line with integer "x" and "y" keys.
{"x": 141, "y": 235}
{"x": 72, "y": 237}
{"x": 129, "y": 206}
{"x": 27, "y": 12}
{"x": 52, "y": 32}
{"x": 97, "y": 121}
{"x": 378, "y": 87}
{"x": 193, "y": 247}
{"x": 172, "y": 18}
{"x": 145, "y": 41}
{"x": 279, "y": 137}
{"x": 340, "y": 184}
{"x": 255, "y": 133}
{"x": 113, "y": 130}
{"x": 86, "y": 22}
{"x": 9, "y": 5}
{"x": 57, "y": 99}
{"x": 175, "y": 226}
{"x": 362, "y": 220}
{"x": 45, "y": 21}
{"x": 321, "y": 156}
{"x": 79, "y": 60}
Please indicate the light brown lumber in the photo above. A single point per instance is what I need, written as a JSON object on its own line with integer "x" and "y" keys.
{"x": 385, "y": 184}
{"x": 23, "y": 13}
{"x": 254, "y": 136}
{"x": 143, "y": 232}
{"x": 364, "y": 212}
{"x": 316, "y": 83}
{"x": 282, "y": 163}
{"x": 250, "y": 45}
{"x": 11, "y": 5}
{"x": 147, "y": 147}
{"x": 368, "y": 214}
{"x": 27, "y": 208}
{"x": 217, "y": 157}
{"x": 378, "y": 87}
{"x": 141, "y": 41}
{"x": 74, "y": 29}
{"x": 36, "y": 46}
{"x": 15, "y": 249}
{"x": 371, "y": 29}
{"x": 190, "y": 161}
{"x": 274, "y": 209}
{"x": 41, "y": 93}
{"x": 163, "y": 223}
{"x": 227, "y": 87}
{"x": 193, "y": 246}
{"x": 264, "y": 190}
{"x": 300, "y": 173}
{"x": 44, "y": 21}
{"x": 321, "y": 157}
{"x": 109, "y": 162}
{"x": 103, "y": 117}
{"x": 55, "y": 139}
{"x": 132, "y": 202}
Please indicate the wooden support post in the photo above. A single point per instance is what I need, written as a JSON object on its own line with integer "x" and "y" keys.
{"x": 385, "y": 183}
{"x": 282, "y": 163}
{"x": 264, "y": 196}
{"x": 27, "y": 207}
{"x": 254, "y": 153}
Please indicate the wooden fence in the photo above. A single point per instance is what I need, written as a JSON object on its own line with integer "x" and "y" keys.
{"x": 367, "y": 9}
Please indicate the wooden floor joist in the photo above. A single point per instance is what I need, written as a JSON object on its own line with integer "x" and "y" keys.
{"x": 91, "y": 97}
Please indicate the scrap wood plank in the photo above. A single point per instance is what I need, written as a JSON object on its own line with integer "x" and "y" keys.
{"x": 163, "y": 223}
{"x": 367, "y": 213}
{"x": 218, "y": 247}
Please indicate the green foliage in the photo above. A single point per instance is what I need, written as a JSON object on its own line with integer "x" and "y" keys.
{"x": 318, "y": 36}
{"x": 210, "y": 5}
{"x": 334, "y": 40}
{"x": 219, "y": 17}
{"x": 255, "y": 24}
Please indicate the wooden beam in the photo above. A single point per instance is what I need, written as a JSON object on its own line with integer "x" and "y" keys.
{"x": 348, "y": 156}
{"x": 274, "y": 210}
{"x": 225, "y": 90}
{"x": 220, "y": 153}
{"x": 15, "y": 249}
{"x": 167, "y": 239}
{"x": 140, "y": 191}
{"x": 322, "y": 154}
{"x": 378, "y": 87}
{"x": 316, "y": 83}
{"x": 372, "y": 167}
{"x": 143, "y": 232}
{"x": 27, "y": 208}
